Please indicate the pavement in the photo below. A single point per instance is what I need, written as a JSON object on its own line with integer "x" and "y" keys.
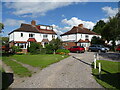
{"x": 72, "y": 72}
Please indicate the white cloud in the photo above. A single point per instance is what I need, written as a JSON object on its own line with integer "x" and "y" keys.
{"x": 57, "y": 29}
{"x": 110, "y": 11}
{"x": 34, "y": 9}
{"x": 105, "y": 19}
{"x": 13, "y": 22}
{"x": 74, "y": 21}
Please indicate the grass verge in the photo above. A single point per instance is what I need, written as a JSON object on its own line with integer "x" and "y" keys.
{"x": 16, "y": 67}
{"x": 41, "y": 61}
{"x": 109, "y": 75}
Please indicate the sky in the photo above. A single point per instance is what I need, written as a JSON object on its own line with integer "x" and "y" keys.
{"x": 61, "y": 15}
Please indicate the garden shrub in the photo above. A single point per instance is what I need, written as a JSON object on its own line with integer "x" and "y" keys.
{"x": 16, "y": 49}
{"x": 34, "y": 48}
{"x": 62, "y": 51}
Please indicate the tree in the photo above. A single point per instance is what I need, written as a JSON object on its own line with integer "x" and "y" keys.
{"x": 99, "y": 26}
{"x": 1, "y": 27}
{"x": 97, "y": 40}
{"x": 111, "y": 30}
{"x": 34, "y": 47}
{"x": 5, "y": 40}
{"x": 54, "y": 45}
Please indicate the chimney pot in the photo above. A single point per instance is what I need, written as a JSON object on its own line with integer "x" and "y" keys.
{"x": 33, "y": 22}
{"x": 80, "y": 25}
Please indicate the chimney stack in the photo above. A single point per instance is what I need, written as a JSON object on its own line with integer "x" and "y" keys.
{"x": 80, "y": 25}
{"x": 33, "y": 22}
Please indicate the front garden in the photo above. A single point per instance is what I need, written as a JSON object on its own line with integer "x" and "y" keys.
{"x": 110, "y": 73}
{"x": 40, "y": 61}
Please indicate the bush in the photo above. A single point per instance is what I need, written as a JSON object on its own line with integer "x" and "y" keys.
{"x": 16, "y": 49}
{"x": 62, "y": 51}
{"x": 34, "y": 48}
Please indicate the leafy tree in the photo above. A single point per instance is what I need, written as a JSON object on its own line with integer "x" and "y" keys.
{"x": 97, "y": 40}
{"x": 34, "y": 47}
{"x": 111, "y": 31}
{"x": 5, "y": 40}
{"x": 53, "y": 45}
{"x": 98, "y": 27}
{"x": 1, "y": 27}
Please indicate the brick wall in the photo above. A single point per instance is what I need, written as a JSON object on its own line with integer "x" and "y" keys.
{"x": 69, "y": 44}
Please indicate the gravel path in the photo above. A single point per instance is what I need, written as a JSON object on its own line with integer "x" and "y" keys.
{"x": 72, "y": 72}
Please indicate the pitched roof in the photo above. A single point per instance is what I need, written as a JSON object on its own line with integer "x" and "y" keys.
{"x": 32, "y": 28}
{"x": 84, "y": 41}
{"x": 45, "y": 40}
{"x": 81, "y": 30}
{"x": 31, "y": 40}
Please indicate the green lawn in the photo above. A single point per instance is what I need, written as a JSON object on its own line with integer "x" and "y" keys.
{"x": 41, "y": 61}
{"x": 16, "y": 67}
{"x": 110, "y": 74}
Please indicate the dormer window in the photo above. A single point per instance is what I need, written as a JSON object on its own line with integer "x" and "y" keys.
{"x": 21, "y": 34}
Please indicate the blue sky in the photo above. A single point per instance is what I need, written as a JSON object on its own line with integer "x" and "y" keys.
{"x": 62, "y": 15}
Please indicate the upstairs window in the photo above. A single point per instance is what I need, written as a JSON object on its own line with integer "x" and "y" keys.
{"x": 45, "y": 36}
{"x": 86, "y": 36}
{"x": 31, "y": 35}
{"x": 53, "y": 36}
{"x": 21, "y": 34}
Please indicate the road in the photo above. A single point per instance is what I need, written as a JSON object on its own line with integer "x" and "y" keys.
{"x": 72, "y": 72}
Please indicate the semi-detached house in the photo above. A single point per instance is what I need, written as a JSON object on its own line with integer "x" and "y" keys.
{"x": 78, "y": 36}
{"x": 27, "y": 33}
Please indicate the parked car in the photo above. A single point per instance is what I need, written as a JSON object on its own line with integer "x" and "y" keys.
{"x": 118, "y": 48}
{"x": 78, "y": 49}
{"x": 98, "y": 48}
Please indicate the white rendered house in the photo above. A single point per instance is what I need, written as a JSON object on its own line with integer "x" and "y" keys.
{"x": 27, "y": 33}
{"x": 78, "y": 36}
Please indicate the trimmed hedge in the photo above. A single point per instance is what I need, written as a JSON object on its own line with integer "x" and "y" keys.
{"x": 62, "y": 51}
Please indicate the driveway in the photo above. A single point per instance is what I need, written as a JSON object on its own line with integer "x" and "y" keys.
{"x": 111, "y": 56}
{"x": 72, "y": 72}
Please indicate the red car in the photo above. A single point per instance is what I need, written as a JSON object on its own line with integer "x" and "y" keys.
{"x": 78, "y": 49}
{"x": 118, "y": 48}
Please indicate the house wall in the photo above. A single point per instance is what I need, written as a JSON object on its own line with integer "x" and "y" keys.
{"x": 77, "y": 37}
{"x": 16, "y": 36}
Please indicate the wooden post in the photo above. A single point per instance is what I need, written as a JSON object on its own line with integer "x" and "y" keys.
{"x": 94, "y": 63}
{"x": 99, "y": 64}
{"x": 97, "y": 56}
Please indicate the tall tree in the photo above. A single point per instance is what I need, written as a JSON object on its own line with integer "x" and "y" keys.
{"x": 98, "y": 27}
{"x": 5, "y": 40}
{"x": 111, "y": 30}
{"x": 1, "y": 27}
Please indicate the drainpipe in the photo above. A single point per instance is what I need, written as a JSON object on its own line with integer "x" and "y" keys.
{"x": 76, "y": 35}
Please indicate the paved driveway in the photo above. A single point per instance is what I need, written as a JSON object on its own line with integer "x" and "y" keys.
{"x": 72, "y": 72}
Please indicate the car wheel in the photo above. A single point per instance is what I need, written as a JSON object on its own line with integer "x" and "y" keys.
{"x": 77, "y": 51}
{"x": 105, "y": 51}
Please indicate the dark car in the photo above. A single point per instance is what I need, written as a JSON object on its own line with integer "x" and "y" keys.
{"x": 118, "y": 48}
{"x": 98, "y": 48}
{"x": 78, "y": 49}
